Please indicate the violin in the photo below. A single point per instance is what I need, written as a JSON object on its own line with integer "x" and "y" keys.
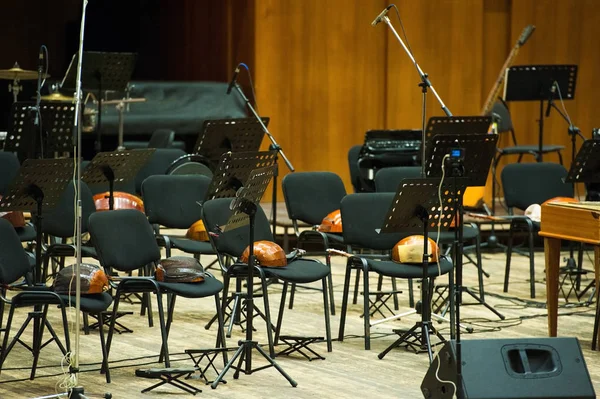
{"x": 121, "y": 201}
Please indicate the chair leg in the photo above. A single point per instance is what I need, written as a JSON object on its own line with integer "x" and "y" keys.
{"x": 366, "y": 317}
{"x": 356, "y": 284}
{"x": 104, "y": 368}
{"x": 345, "y": 300}
{"x": 280, "y": 315}
{"x": 221, "y": 334}
{"x": 326, "y": 314}
{"x": 267, "y": 314}
{"x": 411, "y": 293}
{"x": 292, "y": 295}
{"x": 170, "y": 309}
{"x": 163, "y": 329}
{"x": 111, "y": 328}
{"x": 508, "y": 257}
{"x": 395, "y": 297}
{"x": 330, "y": 285}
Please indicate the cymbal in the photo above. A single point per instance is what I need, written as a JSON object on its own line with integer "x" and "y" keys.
{"x": 57, "y": 97}
{"x": 17, "y": 72}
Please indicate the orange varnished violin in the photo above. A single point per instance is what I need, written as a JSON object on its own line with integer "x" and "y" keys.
{"x": 121, "y": 201}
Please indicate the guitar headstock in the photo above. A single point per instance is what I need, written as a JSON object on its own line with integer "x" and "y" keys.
{"x": 525, "y": 34}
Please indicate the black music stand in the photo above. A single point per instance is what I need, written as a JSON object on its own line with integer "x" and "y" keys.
{"x": 479, "y": 151}
{"x": 55, "y": 134}
{"x": 39, "y": 185}
{"x": 535, "y": 83}
{"x": 229, "y": 135}
{"x": 22, "y": 136}
{"x": 469, "y": 170}
{"x": 58, "y": 119}
{"x": 115, "y": 166}
{"x": 232, "y": 173}
{"x": 244, "y": 211}
{"x": 234, "y": 170}
{"x": 101, "y": 71}
{"x": 418, "y": 197}
{"x": 585, "y": 168}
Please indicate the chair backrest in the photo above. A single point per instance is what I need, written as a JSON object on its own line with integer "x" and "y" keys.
{"x": 60, "y": 220}
{"x": 216, "y": 213}
{"x": 9, "y": 165}
{"x": 124, "y": 240}
{"x": 174, "y": 201}
{"x": 157, "y": 165}
{"x": 310, "y": 196}
{"x": 525, "y": 184}
{"x": 14, "y": 263}
{"x": 162, "y": 138}
{"x": 353, "y": 154}
{"x": 505, "y": 123}
{"x": 387, "y": 180}
{"x": 363, "y": 215}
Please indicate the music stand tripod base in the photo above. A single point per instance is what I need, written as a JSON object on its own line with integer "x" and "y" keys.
{"x": 244, "y": 211}
{"x": 416, "y": 206}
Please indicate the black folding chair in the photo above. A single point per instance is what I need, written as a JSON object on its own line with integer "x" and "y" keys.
{"x": 524, "y": 185}
{"x": 300, "y": 271}
{"x": 125, "y": 242}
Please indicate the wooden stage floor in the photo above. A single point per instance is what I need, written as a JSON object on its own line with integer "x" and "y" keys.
{"x": 349, "y": 371}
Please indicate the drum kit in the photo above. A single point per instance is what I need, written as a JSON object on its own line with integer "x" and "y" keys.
{"x": 90, "y": 112}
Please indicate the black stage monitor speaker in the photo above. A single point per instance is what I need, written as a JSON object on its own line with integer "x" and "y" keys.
{"x": 540, "y": 368}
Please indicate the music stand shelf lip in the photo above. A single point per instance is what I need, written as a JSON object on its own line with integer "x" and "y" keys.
{"x": 475, "y": 124}
{"x": 534, "y": 82}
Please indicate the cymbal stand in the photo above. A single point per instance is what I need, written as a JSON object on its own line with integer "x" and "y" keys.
{"x": 15, "y": 87}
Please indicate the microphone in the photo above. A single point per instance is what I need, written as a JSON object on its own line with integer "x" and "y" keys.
{"x": 233, "y": 79}
{"x": 381, "y": 15}
{"x": 550, "y": 99}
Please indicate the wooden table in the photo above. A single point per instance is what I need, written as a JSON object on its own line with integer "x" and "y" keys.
{"x": 578, "y": 222}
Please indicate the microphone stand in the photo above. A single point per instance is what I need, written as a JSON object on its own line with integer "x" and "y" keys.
{"x": 37, "y": 121}
{"x": 77, "y": 392}
{"x": 573, "y": 132}
{"x": 273, "y": 147}
{"x": 424, "y": 85}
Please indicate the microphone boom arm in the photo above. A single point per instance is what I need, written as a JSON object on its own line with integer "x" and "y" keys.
{"x": 423, "y": 76}
{"x": 269, "y": 135}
